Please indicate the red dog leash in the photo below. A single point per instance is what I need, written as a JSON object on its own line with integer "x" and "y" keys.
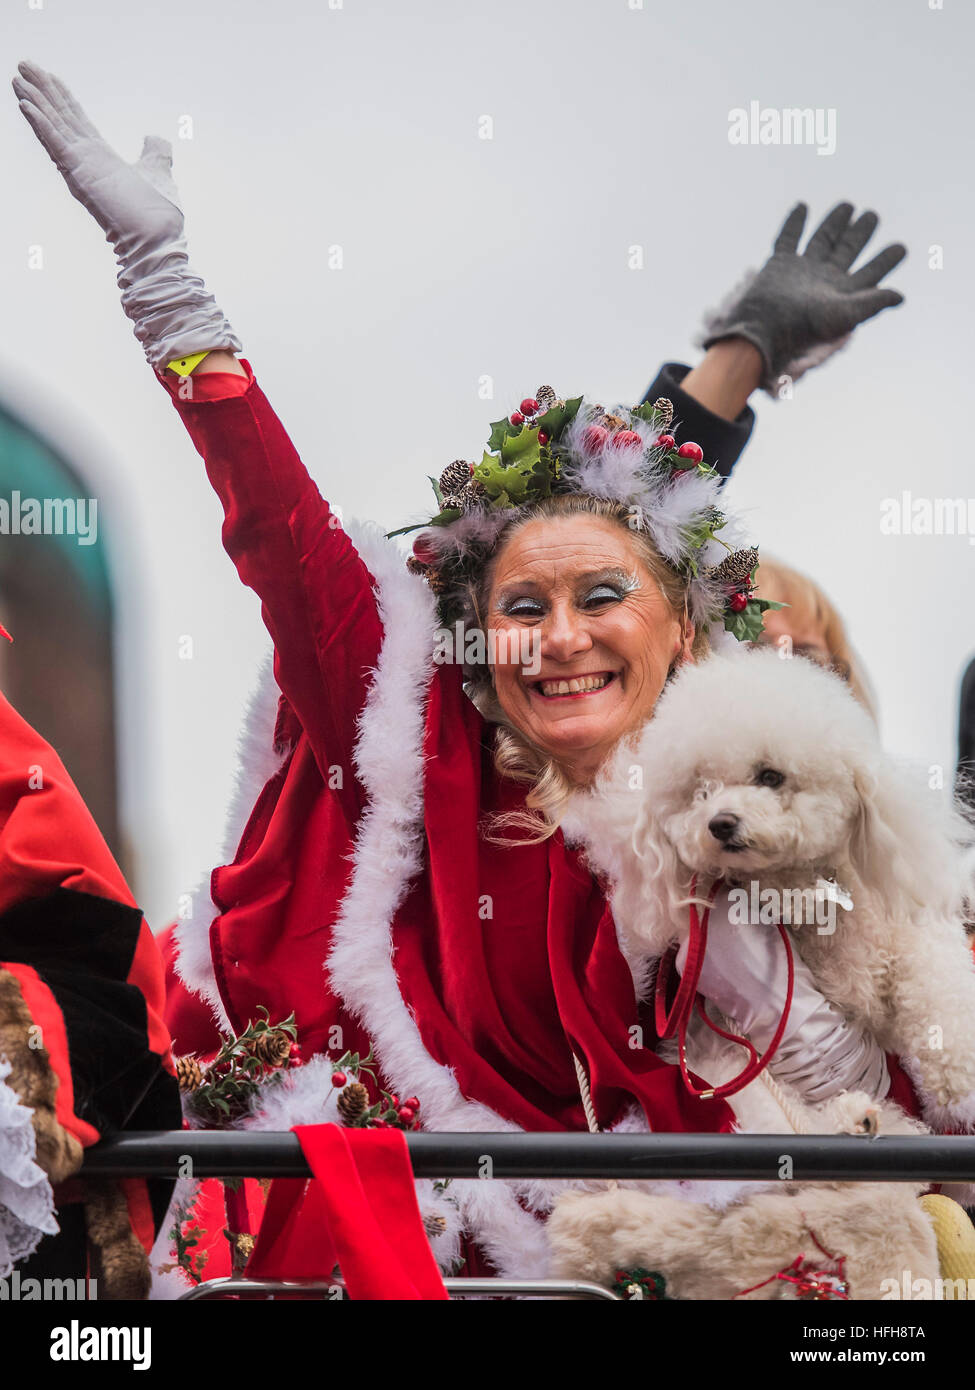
{"x": 678, "y": 1017}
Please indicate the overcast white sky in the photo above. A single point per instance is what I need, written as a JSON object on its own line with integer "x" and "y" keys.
{"x": 358, "y": 125}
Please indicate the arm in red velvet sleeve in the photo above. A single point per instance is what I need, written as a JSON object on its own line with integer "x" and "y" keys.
{"x": 287, "y": 545}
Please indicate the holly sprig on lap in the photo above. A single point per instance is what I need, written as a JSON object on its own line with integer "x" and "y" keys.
{"x": 354, "y": 1103}
{"x": 641, "y": 1284}
{"x": 221, "y": 1093}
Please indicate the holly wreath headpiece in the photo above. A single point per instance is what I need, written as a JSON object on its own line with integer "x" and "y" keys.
{"x": 549, "y": 447}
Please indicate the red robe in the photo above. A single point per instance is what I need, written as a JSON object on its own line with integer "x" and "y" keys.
{"x": 85, "y": 966}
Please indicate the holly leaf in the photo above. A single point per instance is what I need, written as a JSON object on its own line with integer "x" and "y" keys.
{"x": 405, "y": 530}
{"x": 702, "y": 531}
{"x": 747, "y": 625}
{"x": 436, "y": 491}
{"x": 508, "y": 482}
{"x": 645, "y": 411}
{"x": 500, "y": 429}
{"x": 555, "y": 419}
{"x": 541, "y": 475}
{"x": 522, "y": 447}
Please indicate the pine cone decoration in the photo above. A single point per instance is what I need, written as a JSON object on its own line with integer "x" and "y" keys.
{"x": 273, "y": 1048}
{"x": 434, "y": 1225}
{"x": 353, "y": 1102}
{"x": 454, "y": 479}
{"x": 546, "y": 397}
{"x": 735, "y": 569}
{"x": 613, "y": 423}
{"x": 438, "y": 581}
{"x": 664, "y": 412}
{"x": 189, "y": 1073}
{"x": 471, "y": 496}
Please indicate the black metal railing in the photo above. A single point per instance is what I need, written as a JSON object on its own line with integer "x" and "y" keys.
{"x": 800, "y": 1157}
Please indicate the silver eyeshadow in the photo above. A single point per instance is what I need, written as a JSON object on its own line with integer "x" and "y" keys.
{"x": 513, "y": 593}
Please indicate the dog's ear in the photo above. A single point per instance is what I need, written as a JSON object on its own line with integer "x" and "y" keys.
{"x": 902, "y": 846}
{"x": 660, "y": 876}
{"x": 869, "y": 840}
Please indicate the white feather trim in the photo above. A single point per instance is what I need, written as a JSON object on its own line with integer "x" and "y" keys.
{"x": 257, "y": 762}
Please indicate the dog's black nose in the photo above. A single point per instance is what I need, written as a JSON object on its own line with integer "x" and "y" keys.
{"x": 723, "y": 826}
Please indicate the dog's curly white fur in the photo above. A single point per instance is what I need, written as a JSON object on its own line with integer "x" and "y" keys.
{"x": 898, "y": 963}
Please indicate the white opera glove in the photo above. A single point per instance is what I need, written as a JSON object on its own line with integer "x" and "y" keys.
{"x": 745, "y": 974}
{"x": 137, "y": 206}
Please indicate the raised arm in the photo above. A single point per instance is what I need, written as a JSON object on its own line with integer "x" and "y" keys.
{"x": 793, "y": 314}
{"x": 316, "y": 593}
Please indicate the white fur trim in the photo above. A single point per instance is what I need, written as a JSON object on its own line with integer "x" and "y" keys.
{"x": 257, "y": 763}
{"x": 388, "y": 855}
{"x": 812, "y": 357}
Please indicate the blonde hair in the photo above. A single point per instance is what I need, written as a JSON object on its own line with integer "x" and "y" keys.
{"x": 808, "y": 604}
{"x": 515, "y": 756}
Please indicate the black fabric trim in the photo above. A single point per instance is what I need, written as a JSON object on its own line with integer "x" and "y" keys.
{"x": 82, "y": 948}
{"x": 67, "y": 928}
{"x": 722, "y": 440}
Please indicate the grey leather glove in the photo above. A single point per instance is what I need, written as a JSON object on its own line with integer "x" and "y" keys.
{"x": 137, "y": 206}
{"x": 800, "y": 308}
{"x": 745, "y": 973}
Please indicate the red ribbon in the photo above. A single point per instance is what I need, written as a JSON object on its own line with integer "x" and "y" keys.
{"x": 677, "y": 1018}
{"x": 821, "y": 1285}
{"x": 358, "y": 1211}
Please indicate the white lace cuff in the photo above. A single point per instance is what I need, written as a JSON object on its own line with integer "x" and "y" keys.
{"x": 26, "y": 1199}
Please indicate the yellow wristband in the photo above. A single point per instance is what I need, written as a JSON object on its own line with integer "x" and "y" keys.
{"x": 182, "y": 366}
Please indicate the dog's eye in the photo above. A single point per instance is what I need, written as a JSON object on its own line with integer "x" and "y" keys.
{"x": 769, "y": 777}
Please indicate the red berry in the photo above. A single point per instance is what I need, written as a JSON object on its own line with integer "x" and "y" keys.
{"x": 379, "y": 1124}
{"x": 424, "y": 551}
{"x": 626, "y": 439}
{"x": 394, "y": 1101}
{"x": 542, "y": 437}
{"x": 516, "y": 417}
{"x": 413, "y": 1103}
{"x": 666, "y": 441}
{"x": 529, "y": 406}
{"x": 406, "y": 1114}
{"x": 339, "y": 1078}
{"x": 690, "y": 451}
{"x": 738, "y": 603}
{"x": 593, "y": 438}
{"x": 295, "y": 1050}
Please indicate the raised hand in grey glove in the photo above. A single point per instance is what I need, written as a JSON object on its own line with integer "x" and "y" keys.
{"x": 800, "y": 308}
{"x": 137, "y": 206}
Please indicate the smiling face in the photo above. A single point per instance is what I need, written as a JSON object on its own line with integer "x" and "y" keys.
{"x": 605, "y": 636}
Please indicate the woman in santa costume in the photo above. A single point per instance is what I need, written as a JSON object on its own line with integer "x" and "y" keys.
{"x": 395, "y": 874}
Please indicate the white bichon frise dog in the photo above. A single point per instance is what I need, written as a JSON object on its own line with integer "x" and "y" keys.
{"x": 765, "y": 775}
